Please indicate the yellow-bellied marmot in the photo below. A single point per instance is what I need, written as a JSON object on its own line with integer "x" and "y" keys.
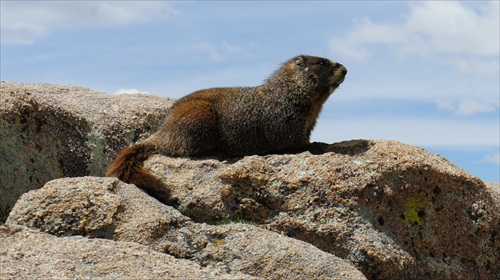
{"x": 276, "y": 116}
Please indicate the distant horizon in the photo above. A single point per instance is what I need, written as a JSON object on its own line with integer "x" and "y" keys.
{"x": 421, "y": 73}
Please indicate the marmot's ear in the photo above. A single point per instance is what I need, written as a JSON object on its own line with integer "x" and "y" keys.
{"x": 300, "y": 62}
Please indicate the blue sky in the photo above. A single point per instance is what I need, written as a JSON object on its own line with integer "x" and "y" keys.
{"x": 424, "y": 73}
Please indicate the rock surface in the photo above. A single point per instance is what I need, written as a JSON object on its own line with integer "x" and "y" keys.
{"x": 107, "y": 208}
{"x": 394, "y": 210}
{"x": 51, "y": 131}
{"x": 380, "y": 209}
{"x": 29, "y": 254}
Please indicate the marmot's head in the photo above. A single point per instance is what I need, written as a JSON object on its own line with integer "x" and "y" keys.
{"x": 308, "y": 74}
{"x": 322, "y": 74}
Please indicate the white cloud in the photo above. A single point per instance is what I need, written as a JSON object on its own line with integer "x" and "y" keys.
{"x": 451, "y": 27}
{"x": 421, "y": 132}
{"x": 446, "y": 27}
{"x": 353, "y": 44}
{"x": 129, "y": 91}
{"x": 481, "y": 67}
{"x": 494, "y": 158}
{"x": 22, "y": 22}
{"x": 435, "y": 36}
{"x": 222, "y": 50}
{"x": 469, "y": 107}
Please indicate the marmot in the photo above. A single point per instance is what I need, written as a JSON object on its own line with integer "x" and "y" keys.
{"x": 277, "y": 116}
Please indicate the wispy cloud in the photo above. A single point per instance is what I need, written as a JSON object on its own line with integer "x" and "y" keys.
{"x": 22, "y": 22}
{"x": 221, "y": 51}
{"x": 481, "y": 67}
{"x": 493, "y": 158}
{"x": 421, "y": 132}
{"x": 469, "y": 107}
{"x": 460, "y": 39}
{"x": 129, "y": 91}
{"x": 430, "y": 27}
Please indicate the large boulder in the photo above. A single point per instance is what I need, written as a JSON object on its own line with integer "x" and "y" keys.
{"x": 52, "y": 131}
{"x": 394, "y": 210}
{"x": 97, "y": 207}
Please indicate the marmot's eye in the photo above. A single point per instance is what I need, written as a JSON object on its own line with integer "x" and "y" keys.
{"x": 321, "y": 63}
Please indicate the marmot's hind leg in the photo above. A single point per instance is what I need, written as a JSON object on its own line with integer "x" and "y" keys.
{"x": 189, "y": 130}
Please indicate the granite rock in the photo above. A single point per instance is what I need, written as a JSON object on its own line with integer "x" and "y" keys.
{"x": 97, "y": 207}
{"x": 51, "y": 131}
{"x": 361, "y": 208}
{"x": 394, "y": 210}
{"x": 30, "y": 254}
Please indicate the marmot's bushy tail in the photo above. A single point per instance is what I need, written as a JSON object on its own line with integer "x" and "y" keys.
{"x": 128, "y": 167}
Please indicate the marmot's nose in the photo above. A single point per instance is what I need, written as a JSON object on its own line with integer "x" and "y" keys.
{"x": 341, "y": 68}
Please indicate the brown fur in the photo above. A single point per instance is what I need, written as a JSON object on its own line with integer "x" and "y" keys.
{"x": 276, "y": 116}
